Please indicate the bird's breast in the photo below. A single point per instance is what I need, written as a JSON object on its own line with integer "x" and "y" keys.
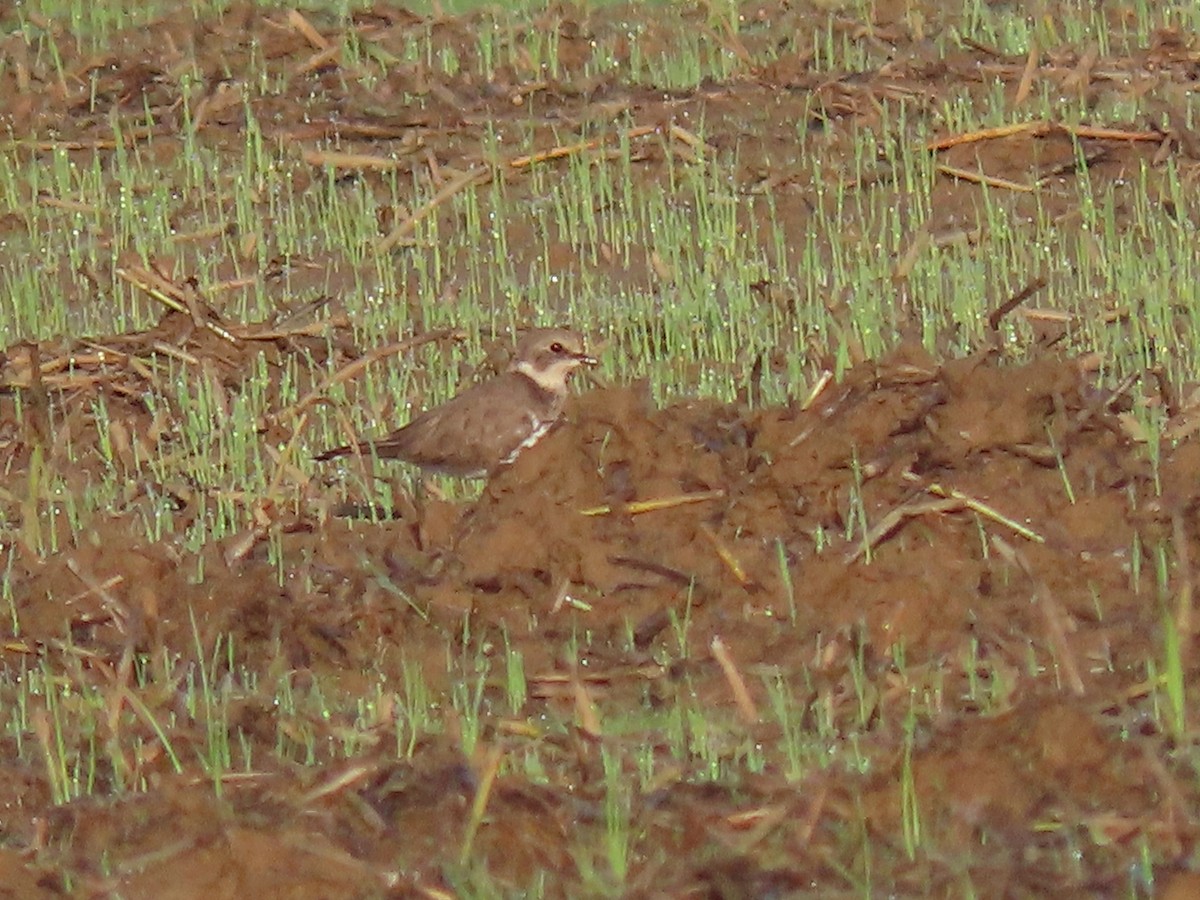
{"x": 537, "y": 428}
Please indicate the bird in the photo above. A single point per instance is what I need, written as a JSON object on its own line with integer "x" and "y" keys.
{"x": 486, "y": 427}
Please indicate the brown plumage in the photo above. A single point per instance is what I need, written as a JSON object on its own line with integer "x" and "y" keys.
{"x": 488, "y": 425}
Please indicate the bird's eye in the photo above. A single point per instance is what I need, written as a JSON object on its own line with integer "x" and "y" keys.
{"x": 556, "y": 347}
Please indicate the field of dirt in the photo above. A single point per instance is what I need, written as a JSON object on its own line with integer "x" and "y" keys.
{"x": 988, "y": 654}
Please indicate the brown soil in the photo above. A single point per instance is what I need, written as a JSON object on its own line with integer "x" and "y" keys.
{"x": 987, "y": 645}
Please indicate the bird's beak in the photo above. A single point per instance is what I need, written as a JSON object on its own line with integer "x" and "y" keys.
{"x": 584, "y": 360}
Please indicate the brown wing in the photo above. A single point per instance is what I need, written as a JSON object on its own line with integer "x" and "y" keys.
{"x": 470, "y": 434}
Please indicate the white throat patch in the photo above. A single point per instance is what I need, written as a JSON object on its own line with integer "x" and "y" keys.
{"x": 553, "y": 378}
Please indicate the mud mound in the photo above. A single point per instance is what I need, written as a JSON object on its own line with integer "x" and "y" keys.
{"x": 958, "y": 483}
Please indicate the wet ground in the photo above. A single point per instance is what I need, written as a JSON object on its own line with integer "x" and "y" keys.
{"x": 912, "y": 635}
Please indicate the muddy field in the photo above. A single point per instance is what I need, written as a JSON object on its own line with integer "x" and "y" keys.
{"x": 925, "y": 631}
